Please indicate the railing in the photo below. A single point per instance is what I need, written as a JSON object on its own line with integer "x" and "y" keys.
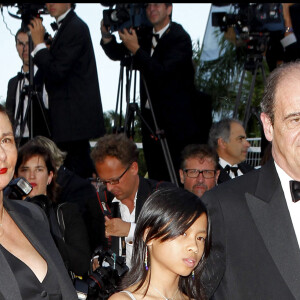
{"x": 253, "y": 156}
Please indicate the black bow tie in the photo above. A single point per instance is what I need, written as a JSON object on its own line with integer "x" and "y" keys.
{"x": 233, "y": 169}
{"x": 295, "y": 190}
{"x": 156, "y": 36}
{"x": 23, "y": 75}
{"x": 54, "y": 26}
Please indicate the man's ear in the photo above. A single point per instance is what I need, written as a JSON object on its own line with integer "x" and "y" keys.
{"x": 134, "y": 168}
{"x": 169, "y": 10}
{"x": 181, "y": 176}
{"x": 268, "y": 127}
{"x": 221, "y": 143}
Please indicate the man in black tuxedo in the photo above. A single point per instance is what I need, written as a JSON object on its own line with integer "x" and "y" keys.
{"x": 165, "y": 62}
{"x": 228, "y": 137}
{"x": 115, "y": 157}
{"x": 31, "y": 118}
{"x": 255, "y": 218}
{"x": 71, "y": 80}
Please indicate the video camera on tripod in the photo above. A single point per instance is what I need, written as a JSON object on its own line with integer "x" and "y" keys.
{"x": 125, "y": 15}
{"x": 252, "y": 23}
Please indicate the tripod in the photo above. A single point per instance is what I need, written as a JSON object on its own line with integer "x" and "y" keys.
{"x": 253, "y": 64}
{"x": 32, "y": 95}
{"x": 132, "y": 108}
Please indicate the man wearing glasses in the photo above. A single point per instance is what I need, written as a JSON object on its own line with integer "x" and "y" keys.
{"x": 198, "y": 172}
{"x": 116, "y": 161}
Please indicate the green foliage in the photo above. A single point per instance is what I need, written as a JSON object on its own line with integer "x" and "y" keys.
{"x": 221, "y": 79}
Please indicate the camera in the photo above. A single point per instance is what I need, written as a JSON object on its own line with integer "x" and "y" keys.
{"x": 251, "y": 17}
{"x": 252, "y": 23}
{"x": 30, "y": 10}
{"x": 17, "y": 188}
{"x": 103, "y": 282}
{"x": 125, "y": 15}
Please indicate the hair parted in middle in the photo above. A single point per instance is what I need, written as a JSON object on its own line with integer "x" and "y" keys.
{"x": 166, "y": 214}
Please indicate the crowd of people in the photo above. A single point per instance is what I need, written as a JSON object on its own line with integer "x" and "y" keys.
{"x": 229, "y": 231}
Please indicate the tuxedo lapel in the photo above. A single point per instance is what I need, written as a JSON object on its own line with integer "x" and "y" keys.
{"x": 274, "y": 224}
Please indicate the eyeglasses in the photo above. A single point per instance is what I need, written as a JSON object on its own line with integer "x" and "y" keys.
{"x": 113, "y": 181}
{"x": 194, "y": 173}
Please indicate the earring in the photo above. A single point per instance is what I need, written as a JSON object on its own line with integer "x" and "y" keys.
{"x": 193, "y": 274}
{"x": 146, "y": 259}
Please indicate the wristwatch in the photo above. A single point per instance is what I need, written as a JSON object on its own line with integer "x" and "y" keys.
{"x": 289, "y": 29}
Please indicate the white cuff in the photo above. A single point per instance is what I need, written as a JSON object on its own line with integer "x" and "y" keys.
{"x": 38, "y": 48}
{"x": 288, "y": 40}
{"x": 129, "y": 238}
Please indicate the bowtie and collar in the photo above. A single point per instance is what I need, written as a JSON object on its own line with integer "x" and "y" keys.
{"x": 55, "y": 25}
{"x": 229, "y": 168}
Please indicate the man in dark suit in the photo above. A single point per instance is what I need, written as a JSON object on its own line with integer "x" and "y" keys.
{"x": 165, "y": 62}
{"x": 255, "y": 218}
{"x": 228, "y": 137}
{"x": 115, "y": 157}
{"x": 71, "y": 80}
{"x": 28, "y": 118}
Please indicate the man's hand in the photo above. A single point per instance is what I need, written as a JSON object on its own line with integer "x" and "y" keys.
{"x": 116, "y": 227}
{"x": 129, "y": 39}
{"x": 37, "y": 31}
{"x": 106, "y": 36}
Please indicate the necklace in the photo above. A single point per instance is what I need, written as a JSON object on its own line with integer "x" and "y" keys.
{"x": 165, "y": 298}
{"x": 1, "y": 224}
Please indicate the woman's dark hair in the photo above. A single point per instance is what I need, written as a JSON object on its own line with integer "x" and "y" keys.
{"x": 31, "y": 149}
{"x": 166, "y": 214}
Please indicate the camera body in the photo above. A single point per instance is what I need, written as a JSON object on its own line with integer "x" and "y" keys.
{"x": 30, "y": 10}
{"x": 251, "y": 17}
{"x": 252, "y": 23}
{"x": 103, "y": 282}
{"x": 125, "y": 15}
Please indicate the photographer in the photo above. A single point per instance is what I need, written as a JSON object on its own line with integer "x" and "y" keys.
{"x": 71, "y": 80}
{"x": 115, "y": 157}
{"x": 17, "y": 96}
{"x": 166, "y": 65}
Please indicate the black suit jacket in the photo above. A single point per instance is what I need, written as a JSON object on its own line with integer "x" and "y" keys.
{"x": 255, "y": 253}
{"x": 224, "y": 176}
{"x": 71, "y": 79}
{"x": 34, "y": 224}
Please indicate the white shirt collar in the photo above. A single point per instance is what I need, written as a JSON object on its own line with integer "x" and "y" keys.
{"x": 223, "y": 163}
{"x": 120, "y": 202}
{"x": 162, "y": 31}
{"x": 61, "y": 17}
{"x": 285, "y": 182}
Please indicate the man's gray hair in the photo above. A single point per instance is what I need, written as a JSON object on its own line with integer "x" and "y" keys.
{"x": 221, "y": 129}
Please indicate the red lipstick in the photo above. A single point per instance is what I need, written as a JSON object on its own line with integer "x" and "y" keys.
{"x": 3, "y": 170}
